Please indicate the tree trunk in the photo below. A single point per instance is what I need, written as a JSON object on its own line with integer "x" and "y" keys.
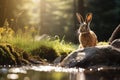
{"x": 80, "y": 7}
{"x": 2, "y": 12}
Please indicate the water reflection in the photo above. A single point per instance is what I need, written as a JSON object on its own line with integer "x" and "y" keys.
{"x": 77, "y": 76}
{"x": 58, "y": 73}
{"x": 12, "y": 76}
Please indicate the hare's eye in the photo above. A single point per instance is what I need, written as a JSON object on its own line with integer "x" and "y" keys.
{"x": 82, "y": 24}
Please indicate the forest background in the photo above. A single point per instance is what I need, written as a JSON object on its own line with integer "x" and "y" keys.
{"x": 57, "y": 17}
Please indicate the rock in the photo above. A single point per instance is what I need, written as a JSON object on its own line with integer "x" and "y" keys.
{"x": 93, "y": 56}
{"x": 59, "y": 59}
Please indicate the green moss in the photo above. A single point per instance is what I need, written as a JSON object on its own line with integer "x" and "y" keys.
{"x": 10, "y": 55}
{"x": 5, "y": 51}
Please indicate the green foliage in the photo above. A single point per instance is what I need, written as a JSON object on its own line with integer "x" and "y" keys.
{"x": 60, "y": 46}
{"x": 48, "y": 48}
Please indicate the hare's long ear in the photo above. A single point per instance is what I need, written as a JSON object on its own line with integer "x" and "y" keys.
{"x": 88, "y": 18}
{"x": 80, "y": 18}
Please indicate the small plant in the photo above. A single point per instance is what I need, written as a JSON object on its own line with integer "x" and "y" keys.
{"x": 6, "y": 31}
{"x": 102, "y": 43}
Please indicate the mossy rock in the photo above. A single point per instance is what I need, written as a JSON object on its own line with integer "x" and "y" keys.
{"x": 10, "y": 55}
{"x": 45, "y": 52}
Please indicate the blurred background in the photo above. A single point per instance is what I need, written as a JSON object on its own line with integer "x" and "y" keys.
{"x": 57, "y": 17}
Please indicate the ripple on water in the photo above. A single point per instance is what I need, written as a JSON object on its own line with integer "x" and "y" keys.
{"x": 50, "y": 68}
{"x": 24, "y": 69}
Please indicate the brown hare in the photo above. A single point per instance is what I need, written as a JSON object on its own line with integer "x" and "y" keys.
{"x": 87, "y": 37}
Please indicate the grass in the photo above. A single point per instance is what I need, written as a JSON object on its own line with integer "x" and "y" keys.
{"x": 27, "y": 43}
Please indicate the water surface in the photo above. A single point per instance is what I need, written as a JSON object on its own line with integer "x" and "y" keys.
{"x": 58, "y": 73}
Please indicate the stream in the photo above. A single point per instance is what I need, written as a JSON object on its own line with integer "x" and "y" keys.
{"x": 39, "y": 72}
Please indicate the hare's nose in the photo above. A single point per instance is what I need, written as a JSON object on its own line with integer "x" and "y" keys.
{"x": 85, "y": 23}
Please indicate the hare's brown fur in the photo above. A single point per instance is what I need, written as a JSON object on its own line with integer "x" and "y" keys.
{"x": 88, "y": 39}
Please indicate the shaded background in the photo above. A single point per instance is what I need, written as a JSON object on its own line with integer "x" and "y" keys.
{"x": 57, "y": 17}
